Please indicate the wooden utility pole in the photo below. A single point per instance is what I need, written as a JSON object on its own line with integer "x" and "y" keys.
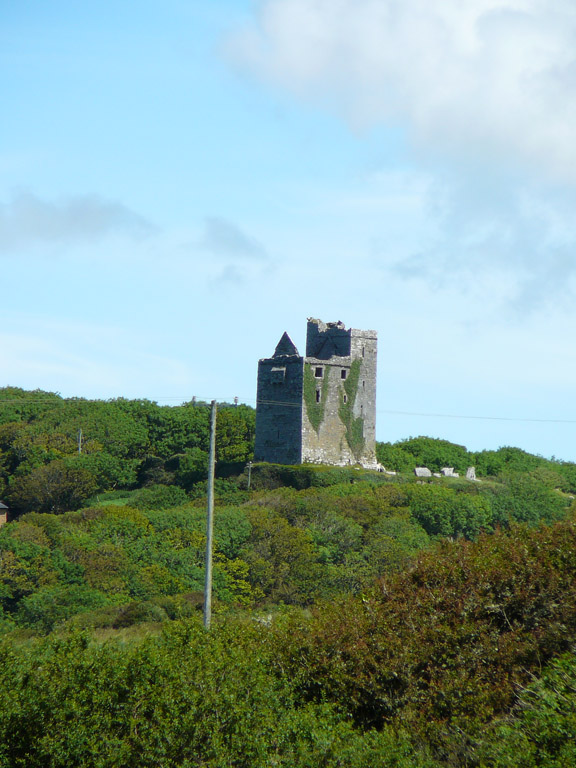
{"x": 210, "y": 520}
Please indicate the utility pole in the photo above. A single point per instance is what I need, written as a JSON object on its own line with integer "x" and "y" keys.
{"x": 249, "y": 465}
{"x": 210, "y": 519}
{"x": 80, "y": 440}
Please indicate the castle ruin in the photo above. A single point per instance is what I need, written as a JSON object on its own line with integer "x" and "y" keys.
{"x": 320, "y": 408}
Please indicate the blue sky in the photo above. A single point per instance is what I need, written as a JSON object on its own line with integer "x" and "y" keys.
{"x": 182, "y": 181}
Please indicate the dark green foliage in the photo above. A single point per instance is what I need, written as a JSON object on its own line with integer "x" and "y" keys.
{"x": 302, "y": 476}
{"x": 334, "y": 533}
{"x": 435, "y": 454}
{"x": 443, "y": 511}
{"x": 19, "y": 405}
{"x": 225, "y": 492}
{"x": 107, "y": 445}
{"x": 55, "y": 487}
{"x": 235, "y": 434}
{"x": 506, "y": 459}
{"x": 190, "y": 467}
{"x": 49, "y": 607}
{"x": 543, "y": 731}
{"x": 427, "y": 452}
{"x": 442, "y": 663}
{"x": 159, "y": 497}
{"x": 183, "y": 699}
{"x": 52, "y": 568}
{"x": 525, "y": 498}
{"x": 283, "y": 562}
{"x": 444, "y": 648}
{"x": 567, "y": 472}
{"x": 394, "y": 458}
{"x": 444, "y": 660}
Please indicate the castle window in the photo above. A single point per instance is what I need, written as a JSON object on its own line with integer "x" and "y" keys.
{"x": 363, "y": 385}
{"x": 345, "y": 398}
{"x": 362, "y": 351}
{"x": 318, "y": 395}
{"x": 277, "y": 375}
{"x": 318, "y": 372}
{"x": 343, "y": 373}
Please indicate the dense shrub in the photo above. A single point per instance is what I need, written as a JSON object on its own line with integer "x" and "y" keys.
{"x": 183, "y": 699}
{"x": 446, "y": 646}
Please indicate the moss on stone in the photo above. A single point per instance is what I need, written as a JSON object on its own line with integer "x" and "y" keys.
{"x": 354, "y": 426}
{"x": 315, "y": 411}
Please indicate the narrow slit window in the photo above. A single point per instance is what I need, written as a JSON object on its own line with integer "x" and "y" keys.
{"x": 343, "y": 373}
{"x": 363, "y": 385}
{"x": 318, "y": 395}
{"x": 345, "y": 399}
{"x": 363, "y": 350}
{"x": 319, "y": 372}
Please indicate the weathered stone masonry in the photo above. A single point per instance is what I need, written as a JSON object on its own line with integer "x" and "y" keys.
{"x": 320, "y": 408}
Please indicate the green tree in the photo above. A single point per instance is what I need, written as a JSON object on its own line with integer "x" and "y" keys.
{"x": 435, "y": 454}
{"x": 235, "y": 433}
{"x": 282, "y": 559}
{"x": 54, "y": 487}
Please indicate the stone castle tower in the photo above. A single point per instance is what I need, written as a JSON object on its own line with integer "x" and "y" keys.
{"x": 320, "y": 408}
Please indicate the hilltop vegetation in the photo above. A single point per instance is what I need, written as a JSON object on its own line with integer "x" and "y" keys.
{"x": 56, "y": 453}
{"x": 464, "y": 660}
{"x": 361, "y": 619}
{"x": 110, "y": 498}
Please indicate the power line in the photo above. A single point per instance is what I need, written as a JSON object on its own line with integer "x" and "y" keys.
{"x": 479, "y": 418}
{"x": 205, "y": 402}
{"x": 439, "y": 415}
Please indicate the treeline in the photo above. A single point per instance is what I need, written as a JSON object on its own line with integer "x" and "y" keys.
{"x": 406, "y": 455}
{"x": 465, "y": 661}
{"x": 56, "y": 453}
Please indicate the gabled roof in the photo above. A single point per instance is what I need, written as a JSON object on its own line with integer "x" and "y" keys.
{"x": 285, "y": 347}
{"x": 3, "y": 506}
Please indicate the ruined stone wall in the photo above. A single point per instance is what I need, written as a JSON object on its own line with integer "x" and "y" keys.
{"x": 339, "y": 413}
{"x": 279, "y": 410}
{"x": 365, "y": 349}
{"x": 321, "y": 408}
{"x": 323, "y": 431}
{"x": 325, "y": 340}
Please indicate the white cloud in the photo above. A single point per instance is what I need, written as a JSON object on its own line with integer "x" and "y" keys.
{"x": 514, "y": 245}
{"x": 233, "y": 256}
{"x": 225, "y": 239}
{"x": 494, "y": 77}
{"x": 28, "y": 220}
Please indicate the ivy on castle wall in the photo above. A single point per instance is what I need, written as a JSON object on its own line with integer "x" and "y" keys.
{"x": 354, "y": 426}
{"x": 314, "y": 410}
